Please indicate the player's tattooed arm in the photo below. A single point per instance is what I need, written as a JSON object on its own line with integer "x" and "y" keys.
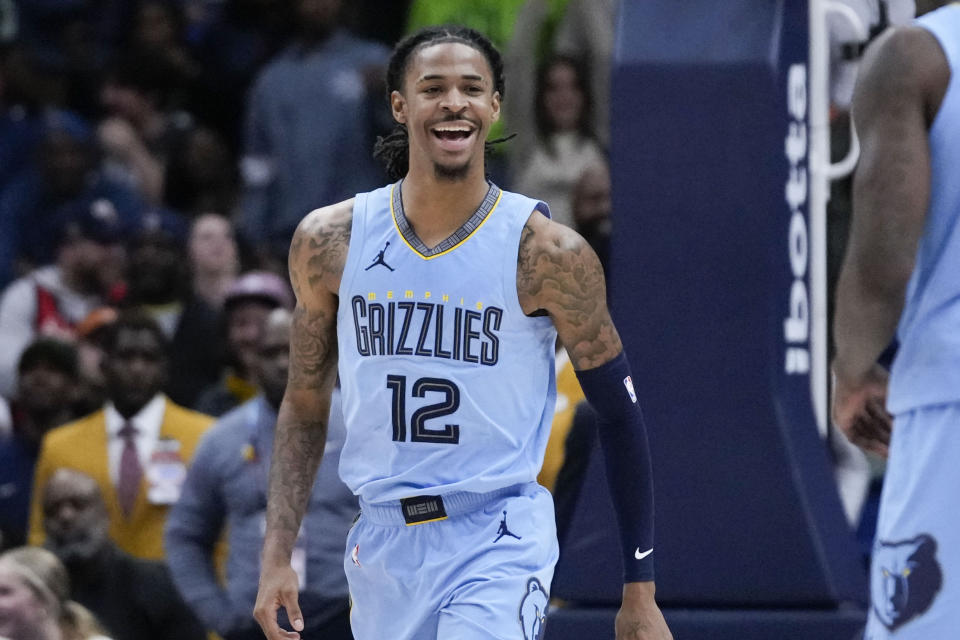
{"x": 559, "y": 273}
{"x": 317, "y": 256}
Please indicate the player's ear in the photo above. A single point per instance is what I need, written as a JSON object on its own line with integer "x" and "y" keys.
{"x": 398, "y": 105}
{"x": 495, "y": 101}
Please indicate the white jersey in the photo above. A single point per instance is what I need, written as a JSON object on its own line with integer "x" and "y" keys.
{"x": 447, "y": 384}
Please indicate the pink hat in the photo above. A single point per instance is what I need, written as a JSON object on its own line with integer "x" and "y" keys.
{"x": 260, "y": 285}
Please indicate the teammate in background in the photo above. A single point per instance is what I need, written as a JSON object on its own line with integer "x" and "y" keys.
{"x": 903, "y": 266}
{"x": 446, "y": 364}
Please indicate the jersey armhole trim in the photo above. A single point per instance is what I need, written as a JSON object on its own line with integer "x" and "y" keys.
{"x": 511, "y": 291}
{"x": 355, "y": 245}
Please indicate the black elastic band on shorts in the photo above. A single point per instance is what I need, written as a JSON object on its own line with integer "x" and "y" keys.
{"x": 456, "y": 503}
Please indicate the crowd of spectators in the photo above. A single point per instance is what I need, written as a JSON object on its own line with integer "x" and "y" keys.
{"x": 155, "y": 158}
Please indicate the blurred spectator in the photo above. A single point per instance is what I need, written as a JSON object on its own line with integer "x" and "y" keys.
{"x": 200, "y": 174}
{"x": 248, "y": 303}
{"x": 569, "y": 396}
{"x": 226, "y": 490}
{"x": 231, "y": 48}
{"x": 20, "y": 121}
{"x": 157, "y": 281}
{"x": 213, "y": 256}
{"x": 158, "y": 33}
{"x": 9, "y": 22}
{"x": 136, "y": 447}
{"x": 565, "y": 144}
{"x": 36, "y": 603}
{"x": 199, "y": 16}
{"x": 31, "y": 82}
{"x": 91, "y": 332}
{"x": 66, "y": 178}
{"x": 579, "y": 441}
{"x": 529, "y": 47}
{"x": 133, "y": 599}
{"x": 140, "y": 131}
{"x": 51, "y": 300}
{"x": 45, "y": 393}
{"x": 20, "y": 132}
{"x": 586, "y": 32}
{"x": 592, "y": 204}
{"x": 78, "y": 57}
{"x": 290, "y": 164}
{"x": 159, "y": 284}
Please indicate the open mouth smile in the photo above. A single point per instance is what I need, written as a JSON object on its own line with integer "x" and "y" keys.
{"x": 453, "y": 136}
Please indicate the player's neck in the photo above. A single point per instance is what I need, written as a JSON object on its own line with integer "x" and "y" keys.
{"x": 436, "y": 207}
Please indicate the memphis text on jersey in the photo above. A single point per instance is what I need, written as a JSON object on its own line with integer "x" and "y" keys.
{"x": 435, "y": 326}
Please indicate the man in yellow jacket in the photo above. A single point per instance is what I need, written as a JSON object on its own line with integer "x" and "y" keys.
{"x": 137, "y": 447}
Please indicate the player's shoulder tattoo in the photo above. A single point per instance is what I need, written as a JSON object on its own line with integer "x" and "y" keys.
{"x": 558, "y": 272}
{"x": 554, "y": 260}
{"x": 318, "y": 251}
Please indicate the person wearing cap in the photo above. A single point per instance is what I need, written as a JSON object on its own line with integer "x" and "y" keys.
{"x": 51, "y": 300}
{"x": 66, "y": 176}
{"x": 47, "y": 383}
{"x": 245, "y": 309}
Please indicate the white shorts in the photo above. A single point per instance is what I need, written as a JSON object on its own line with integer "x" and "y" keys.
{"x": 484, "y": 572}
{"x": 915, "y": 568}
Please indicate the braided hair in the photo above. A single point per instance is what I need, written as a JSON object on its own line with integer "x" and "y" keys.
{"x": 393, "y": 149}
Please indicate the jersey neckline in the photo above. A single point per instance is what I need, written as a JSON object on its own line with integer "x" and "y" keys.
{"x": 458, "y": 237}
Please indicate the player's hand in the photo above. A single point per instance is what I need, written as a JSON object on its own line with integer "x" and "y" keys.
{"x": 639, "y": 617}
{"x": 279, "y": 587}
{"x": 859, "y": 410}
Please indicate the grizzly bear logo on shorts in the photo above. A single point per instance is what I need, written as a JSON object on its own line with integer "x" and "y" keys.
{"x": 533, "y": 610}
{"x": 905, "y": 579}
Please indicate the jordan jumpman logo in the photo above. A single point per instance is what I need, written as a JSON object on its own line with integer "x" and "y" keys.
{"x": 503, "y": 531}
{"x": 379, "y": 259}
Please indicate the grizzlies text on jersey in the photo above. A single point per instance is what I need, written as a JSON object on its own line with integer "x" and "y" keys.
{"x": 447, "y": 384}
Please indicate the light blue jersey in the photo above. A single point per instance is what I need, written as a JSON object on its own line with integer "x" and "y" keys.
{"x": 927, "y": 367}
{"x": 447, "y": 385}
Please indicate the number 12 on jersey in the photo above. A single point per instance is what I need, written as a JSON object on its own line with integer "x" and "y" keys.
{"x": 420, "y": 432}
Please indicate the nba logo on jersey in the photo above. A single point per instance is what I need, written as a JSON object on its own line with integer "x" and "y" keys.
{"x": 628, "y": 383}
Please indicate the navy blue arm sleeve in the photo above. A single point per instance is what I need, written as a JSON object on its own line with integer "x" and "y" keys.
{"x": 623, "y": 437}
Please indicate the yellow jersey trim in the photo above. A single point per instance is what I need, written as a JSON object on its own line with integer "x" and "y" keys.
{"x": 393, "y": 217}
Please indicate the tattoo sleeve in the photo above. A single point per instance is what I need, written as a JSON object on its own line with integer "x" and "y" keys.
{"x": 559, "y": 273}
{"x": 317, "y": 255}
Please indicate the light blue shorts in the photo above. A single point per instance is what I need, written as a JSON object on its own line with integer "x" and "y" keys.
{"x": 914, "y": 573}
{"x": 484, "y": 572}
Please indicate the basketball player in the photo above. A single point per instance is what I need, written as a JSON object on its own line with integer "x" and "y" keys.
{"x": 903, "y": 264}
{"x": 438, "y": 300}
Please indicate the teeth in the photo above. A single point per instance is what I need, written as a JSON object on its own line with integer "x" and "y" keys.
{"x": 453, "y": 129}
